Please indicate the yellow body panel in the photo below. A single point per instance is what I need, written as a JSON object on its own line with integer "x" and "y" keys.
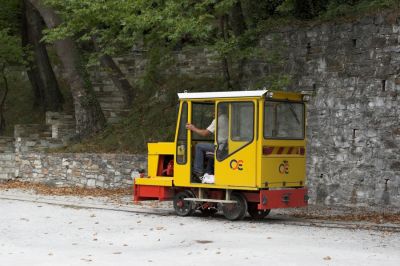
{"x": 239, "y": 169}
{"x": 154, "y": 152}
{"x": 161, "y": 148}
{"x": 246, "y": 168}
{"x": 155, "y": 181}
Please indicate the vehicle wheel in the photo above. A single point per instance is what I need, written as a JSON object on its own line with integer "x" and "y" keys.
{"x": 235, "y": 211}
{"x": 255, "y": 213}
{"x": 181, "y": 206}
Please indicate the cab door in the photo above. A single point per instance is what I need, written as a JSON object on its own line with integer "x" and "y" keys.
{"x": 182, "y": 147}
{"x": 236, "y": 147}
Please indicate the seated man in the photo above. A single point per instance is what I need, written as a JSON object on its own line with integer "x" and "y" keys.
{"x": 204, "y": 147}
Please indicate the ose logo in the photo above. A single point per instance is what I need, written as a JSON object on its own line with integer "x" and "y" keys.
{"x": 284, "y": 167}
{"x": 236, "y": 165}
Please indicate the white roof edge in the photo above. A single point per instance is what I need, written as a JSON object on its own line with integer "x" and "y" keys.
{"x": 221, "y": 94}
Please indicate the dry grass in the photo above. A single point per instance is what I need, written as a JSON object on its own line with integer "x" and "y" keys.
{"x": 66, "y": 191}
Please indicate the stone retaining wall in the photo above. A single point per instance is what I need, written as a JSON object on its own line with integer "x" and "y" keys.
{"x": 82, "y": 170}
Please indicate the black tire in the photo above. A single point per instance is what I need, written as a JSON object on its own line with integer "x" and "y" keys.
{"x": 255, "y": 213}
{"x": 181, "y": 206}
{"x": 235, "y": 211}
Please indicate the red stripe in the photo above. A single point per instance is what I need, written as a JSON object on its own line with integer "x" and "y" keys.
{"x": 280, "y": 150}
{"x": 268, "y": 150}
{"x": 290, "y": 150}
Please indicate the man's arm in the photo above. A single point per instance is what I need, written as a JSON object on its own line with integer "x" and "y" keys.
{"x": 199, "y": 131}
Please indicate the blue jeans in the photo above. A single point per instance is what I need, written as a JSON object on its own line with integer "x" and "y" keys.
{"x": 201, "y": 149}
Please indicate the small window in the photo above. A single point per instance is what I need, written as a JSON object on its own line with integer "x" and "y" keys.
{"x": 181, "y": 143}
{"x": 239, "y": 116}
{"x": 283, "y": 120}
{"x": 242, "y": 123}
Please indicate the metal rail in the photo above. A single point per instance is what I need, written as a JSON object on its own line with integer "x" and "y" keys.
{"x": 269, "y": 220}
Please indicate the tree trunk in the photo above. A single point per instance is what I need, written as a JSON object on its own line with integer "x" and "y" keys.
{"x": 224, "y": 60}
{"x": 3, "y": 100}
{"x": 88, "y": 114}
{"x": 238, "y": 23}
{"x": 239, "y": 27}
{"x": 118, "y": 78}
{"x": 40, "y": 73}
{"x": 116, "y": 75}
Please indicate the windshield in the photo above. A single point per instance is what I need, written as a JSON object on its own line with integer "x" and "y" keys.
{"x": 283, "y": 120}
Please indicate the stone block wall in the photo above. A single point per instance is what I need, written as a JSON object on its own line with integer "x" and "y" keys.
{"x": 353, "y": 68}
{"x": 7, "y": 166}
{"x": 82, "y": 170}
{"x": 62, "y": 125}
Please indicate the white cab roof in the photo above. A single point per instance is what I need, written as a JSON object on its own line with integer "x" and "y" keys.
{"x": 221, "y": 94}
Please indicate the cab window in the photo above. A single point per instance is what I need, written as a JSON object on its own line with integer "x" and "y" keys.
{"x": 235, "y": 127}
{"x": 283, "y": 120}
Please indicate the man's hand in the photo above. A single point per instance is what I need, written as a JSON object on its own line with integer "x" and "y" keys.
{"x": 201, "y": 132}
{"x": 191, "y": 127}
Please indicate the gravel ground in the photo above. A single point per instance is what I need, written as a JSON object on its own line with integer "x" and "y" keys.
{"x": 33, "y": 232}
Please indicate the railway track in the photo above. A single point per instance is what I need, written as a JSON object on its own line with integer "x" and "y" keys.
{"x": 273, "y": 219}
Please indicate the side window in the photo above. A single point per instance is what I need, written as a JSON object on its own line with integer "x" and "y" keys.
{"x": 235, "y": 127}
{"x": 283, "y": 120}
{"x": 181, "y": 143}
{"x": 242, "y": 121}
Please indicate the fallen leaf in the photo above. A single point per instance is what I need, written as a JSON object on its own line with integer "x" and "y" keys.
{"x": 203, "y": 241}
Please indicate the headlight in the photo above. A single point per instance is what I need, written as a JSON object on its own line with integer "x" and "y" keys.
{"x": 306, "y": 98}
{"x": 270, "y": 94}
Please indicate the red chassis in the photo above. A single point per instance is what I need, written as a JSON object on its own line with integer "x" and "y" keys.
{"x": 266, "y": 199}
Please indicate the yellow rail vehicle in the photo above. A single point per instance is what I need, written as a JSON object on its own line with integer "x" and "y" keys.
{"x": 242, "y": 151}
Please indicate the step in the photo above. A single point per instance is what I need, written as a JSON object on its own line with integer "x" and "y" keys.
{"x": 32, "y": 131}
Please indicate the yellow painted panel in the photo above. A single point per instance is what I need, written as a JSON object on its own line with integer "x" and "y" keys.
{"x": 161, "y": 148}
{"x": 154, "y": 150}
{"x": 239, "y": 169}
{"x": 283, "y": 171}
{"x": 284, "y": 95}
{"x": 155, "y": 181}
{"x": 235, "y": 145}
{"x": 152, "y": 164}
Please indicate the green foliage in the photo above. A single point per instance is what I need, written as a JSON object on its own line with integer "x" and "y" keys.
{"x": 10, "y": 49}
{"x": 116, "y": 25}
{"x": 10, "y": 13}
